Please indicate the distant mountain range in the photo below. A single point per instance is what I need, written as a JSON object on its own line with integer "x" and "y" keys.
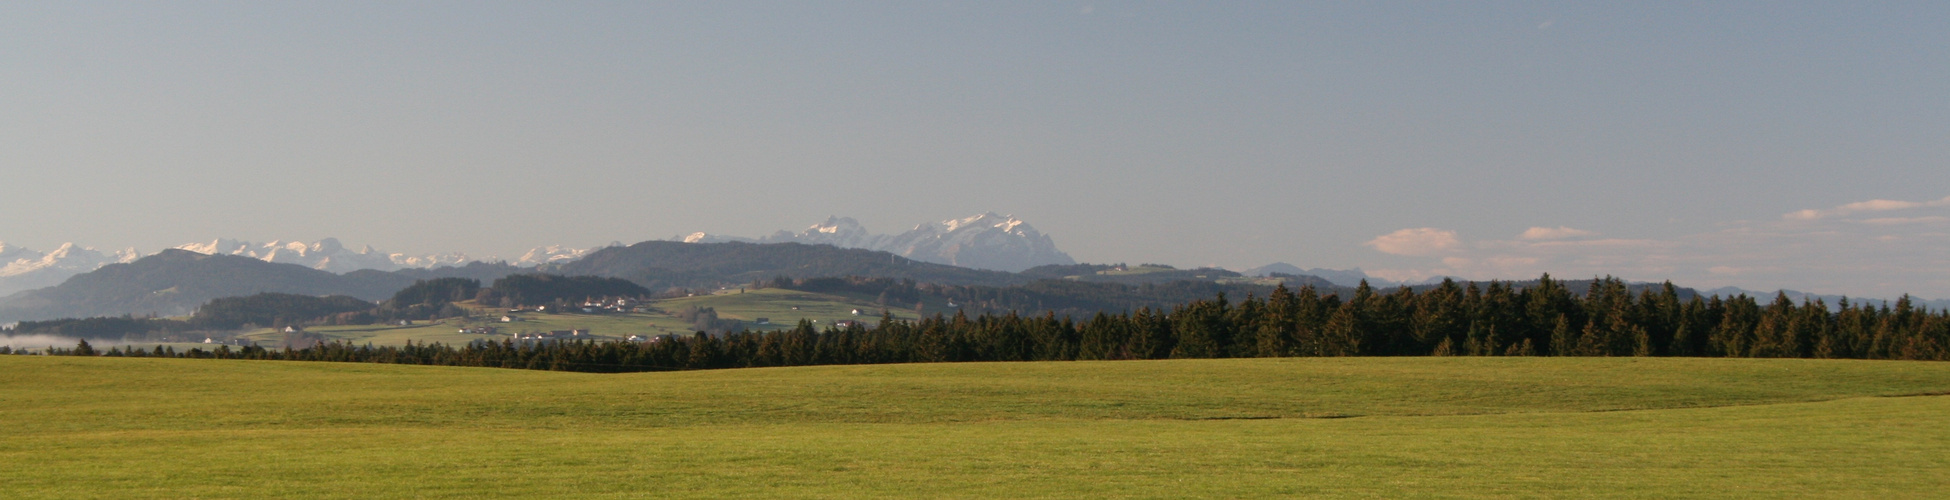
{"x": 24, "y": 269}
{"x": 174, "y": 282}
{"x": 1833, "y": 301}
{"x": 984, "y": 241}
{"x": 983, "y": 250}
{"x": 324, "y": 255}
{"x": 330, "y": 255}
{"x": 1342, "y": 277}
{"x": 177, "y": 281}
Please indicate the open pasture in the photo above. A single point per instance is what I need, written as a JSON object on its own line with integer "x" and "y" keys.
{"x": 1341, "y": 427}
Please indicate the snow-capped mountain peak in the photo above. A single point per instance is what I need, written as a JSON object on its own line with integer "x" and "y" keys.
{"x": 10, "y": 253}
{"x": 983, "y": 241}
{"x": 552, "y": 253}
{"x": 327, "y": 254}
{"x": 838, "y": 231}
{"x": 1004, "y": 223}
{"x": 219, "y": 246}
{"x": 23, "y": 269}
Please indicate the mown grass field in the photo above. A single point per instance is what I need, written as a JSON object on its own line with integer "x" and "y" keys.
{"x": 1348, "y": 428}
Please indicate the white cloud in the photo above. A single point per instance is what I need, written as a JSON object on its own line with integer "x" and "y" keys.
{"x": 1416, "y": 241}
{"x": 1893, "y": 221}
{"x": 1866, "y": 257}
{"x": 1863, "y": 206}
{"x": 1553, "y": 233}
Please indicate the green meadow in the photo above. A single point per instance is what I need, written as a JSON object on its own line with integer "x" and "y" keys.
{"x": 1314, "y": 427}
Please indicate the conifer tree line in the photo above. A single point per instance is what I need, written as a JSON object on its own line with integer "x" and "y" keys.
{"x": 1448, "y": 320}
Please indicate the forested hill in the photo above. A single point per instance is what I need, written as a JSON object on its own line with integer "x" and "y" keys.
{"x": 485, "y": 272}
{"x": 175, "y": 282}
{"x": 660, "y": 265}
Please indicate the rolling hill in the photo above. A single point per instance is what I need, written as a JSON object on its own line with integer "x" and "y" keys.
{"x": 660, "y": 265}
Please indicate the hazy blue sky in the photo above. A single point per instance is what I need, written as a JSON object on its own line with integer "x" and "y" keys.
{"x": 1649, "y": 140}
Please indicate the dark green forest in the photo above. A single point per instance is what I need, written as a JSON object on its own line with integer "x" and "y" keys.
{"x": 228, "y": 313}
{"x": 271, "y": 309}
{"x": 116, "y": 327}
{"x": 1448, "y": 320}
{"x": 531, "y": 289}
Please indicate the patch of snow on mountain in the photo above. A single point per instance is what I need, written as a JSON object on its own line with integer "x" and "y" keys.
{"x": 703, "y": 237}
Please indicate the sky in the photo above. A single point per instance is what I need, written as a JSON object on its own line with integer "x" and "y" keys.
{"x": 1755, "y": 144}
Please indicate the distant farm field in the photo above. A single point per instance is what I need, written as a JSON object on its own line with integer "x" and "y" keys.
{"x": 1313, "y": 427}
{"x": 780, "y": 307}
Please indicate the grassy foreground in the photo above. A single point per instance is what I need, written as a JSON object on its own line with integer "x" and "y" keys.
{"x": 1417, "y": 427}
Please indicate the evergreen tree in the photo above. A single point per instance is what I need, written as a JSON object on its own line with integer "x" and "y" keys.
{"x": 1341, "y": 336}
{"x": 1564, "y": 341}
